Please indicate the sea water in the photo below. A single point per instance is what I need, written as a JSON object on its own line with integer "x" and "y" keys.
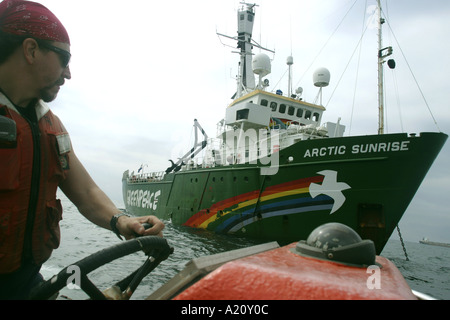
{"x": 427, "y": 269}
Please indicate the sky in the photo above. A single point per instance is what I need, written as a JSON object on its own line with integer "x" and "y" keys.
{"x": 142, "y": 71}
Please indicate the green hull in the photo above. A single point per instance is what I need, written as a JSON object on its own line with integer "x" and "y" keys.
{"x": 365, "y": 182}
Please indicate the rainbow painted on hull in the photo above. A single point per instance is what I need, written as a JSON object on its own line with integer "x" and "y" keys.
{"x": 237, "y": 212}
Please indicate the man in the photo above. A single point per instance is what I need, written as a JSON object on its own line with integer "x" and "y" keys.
{"x": 34, "y": 64}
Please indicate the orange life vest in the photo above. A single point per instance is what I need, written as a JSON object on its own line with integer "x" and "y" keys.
{"x": 29, "y": 178}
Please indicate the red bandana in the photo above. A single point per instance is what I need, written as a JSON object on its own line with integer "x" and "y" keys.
{"x": 31, "y": 19}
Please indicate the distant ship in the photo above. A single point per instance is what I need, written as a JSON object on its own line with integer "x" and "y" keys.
{"x": 275, "y": 172}
{"x": 432, "y": 243}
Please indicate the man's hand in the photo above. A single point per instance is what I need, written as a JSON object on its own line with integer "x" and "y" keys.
{"x": 130, "y": 227}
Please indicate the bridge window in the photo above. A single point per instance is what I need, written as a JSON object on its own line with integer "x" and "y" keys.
{"x": 291, "y": 110}
{"x": 316, "y": 117}
{"x": 299, "y": 112}
{"x": 264, "y": 102}
{"x": 282, "y": 108}
{"x": 308, "y": 115}
{"x": 242, "y": 114}
{"x": 273, "y": 106}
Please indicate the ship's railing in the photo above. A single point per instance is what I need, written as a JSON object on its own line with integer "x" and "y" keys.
{"x": 146, "y": 177}
{"x": 217, "y": 154}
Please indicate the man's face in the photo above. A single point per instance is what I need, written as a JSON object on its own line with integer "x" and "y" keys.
{"x": 53, "y": 71}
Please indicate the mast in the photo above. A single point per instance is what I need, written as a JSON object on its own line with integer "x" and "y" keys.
{"x": 246, "y": 77}
{"x": 382, "y": 53}
{"x": 246, "y": 17}
{"x": 380, "y": 72}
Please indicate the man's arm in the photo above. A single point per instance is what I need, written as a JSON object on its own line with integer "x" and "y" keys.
{"x": 96, "y": 206}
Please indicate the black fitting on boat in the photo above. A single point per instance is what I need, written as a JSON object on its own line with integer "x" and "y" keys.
{"x": 338, "y": 243}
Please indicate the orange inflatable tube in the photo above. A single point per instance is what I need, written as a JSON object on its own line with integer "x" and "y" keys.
{"x": 281, "y": 274}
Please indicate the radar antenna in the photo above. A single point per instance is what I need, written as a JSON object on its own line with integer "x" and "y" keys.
{"x": 245, "y": 78}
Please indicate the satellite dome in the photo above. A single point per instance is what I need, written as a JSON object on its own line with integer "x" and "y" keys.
{"x": 290, "y": 61}
{"x": 321, "y": 77}
{"x": 339, "y": 243}
{"x": 261, "y": 65}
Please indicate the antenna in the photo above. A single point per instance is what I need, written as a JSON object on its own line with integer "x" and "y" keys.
{"x": 249, "y": 5}
{"x": 290, "y": 62}
{"x": 246, "y": 79}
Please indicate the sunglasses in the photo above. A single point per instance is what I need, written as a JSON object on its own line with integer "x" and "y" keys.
{"x": 64, "y": 56}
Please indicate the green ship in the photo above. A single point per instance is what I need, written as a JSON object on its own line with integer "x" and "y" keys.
{"x": 275, "y": 172}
